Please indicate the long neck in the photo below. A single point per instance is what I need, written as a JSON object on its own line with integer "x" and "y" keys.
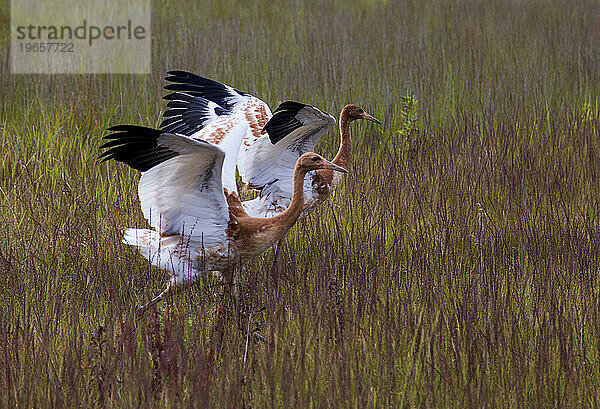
{"x": 344, "y": 154}
{"x": 289, "y": 216}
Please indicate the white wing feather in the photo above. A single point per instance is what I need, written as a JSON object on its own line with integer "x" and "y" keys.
{"x": 199, "y": 106}
{"x": 184, "y": 195}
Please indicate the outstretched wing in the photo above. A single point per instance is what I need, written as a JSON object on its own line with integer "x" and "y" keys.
{"x": 268, "y": 164}
{"x": 205, "y": 109}
{"x": 197, "y": 101}
{"x": 187, "y": 114}
{"x": 180, "y": 190}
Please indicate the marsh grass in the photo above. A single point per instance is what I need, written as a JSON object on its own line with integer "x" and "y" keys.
{"x": 457, "y": 266}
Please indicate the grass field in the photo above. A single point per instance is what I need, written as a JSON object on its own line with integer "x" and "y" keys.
{"x": 456, "y": 266}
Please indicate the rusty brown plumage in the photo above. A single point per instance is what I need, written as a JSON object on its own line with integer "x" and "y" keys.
{"x": 256, "y": 234}
{"x": 219, "y": 133}
{"x": 324, "y": 178}
{"x": 257, "y": 118}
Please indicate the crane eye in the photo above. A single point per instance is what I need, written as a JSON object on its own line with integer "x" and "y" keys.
{"x": 360, "y": 111}
{"x": 315, "y": 159}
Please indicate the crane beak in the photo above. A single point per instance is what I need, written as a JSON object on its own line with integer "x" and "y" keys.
{"x": 371, "y": 118}
{"x": 332, "y": 166}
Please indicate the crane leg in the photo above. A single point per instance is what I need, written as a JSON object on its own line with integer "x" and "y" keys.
{"x": 230, "y": 282}
{"x": 236, "y": 295}
{"x": 162, "y": 296}
{"x": 172, "y": 288}
{"x": 276, "y": 259}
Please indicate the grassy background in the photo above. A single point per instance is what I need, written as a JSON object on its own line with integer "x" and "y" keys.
{"x": 457, "y": 266}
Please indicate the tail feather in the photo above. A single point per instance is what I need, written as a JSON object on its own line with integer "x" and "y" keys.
{"x": 147, "y": 241}
{"x": 142, "y": 238}
{"x": 168, "y": 253}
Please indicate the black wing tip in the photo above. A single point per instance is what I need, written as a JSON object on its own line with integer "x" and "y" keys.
{"x": 119, "y": 128}
{"x": 284, "y": 121}
{"x": 186, "y": 77}
{"x": 179, "y": 72}
{"x": 103, "y": 157}
{"x": 184, "y": 96}
{"x": 188, "y": 112}
{"x": 136, "y": 146}
{"x": 198, "y": 86}
{"x": 134, "y": 128}
{"x": 175, "y": 75}
{"x": 290, "y": 105}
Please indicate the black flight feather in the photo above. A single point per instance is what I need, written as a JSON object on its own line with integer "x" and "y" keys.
{"x": 186, "y": 114}
{"x": 283, "y": 121}
{"x": 214, "y": 91}
{"x": 136, "y": 146}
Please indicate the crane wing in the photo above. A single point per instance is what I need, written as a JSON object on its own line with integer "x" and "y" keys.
{"x": 268, "y": 164}
{"x": 271, "y": 143}
{"x": 197, "y": 101}
{"x": 180, "y": 190}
